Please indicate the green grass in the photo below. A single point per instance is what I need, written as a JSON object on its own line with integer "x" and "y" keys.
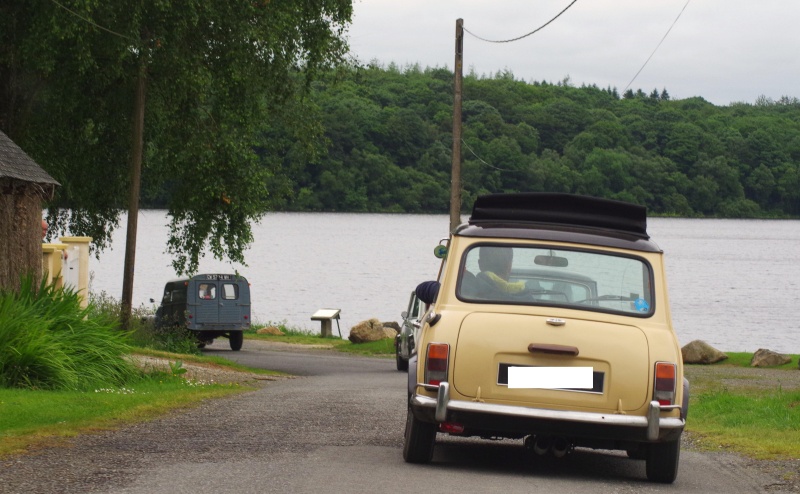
{"x": 380, "y": 348}
{"x": 762, "y": 426}
{"x": 749, "y": 413}
{"x": 35, "y": 418}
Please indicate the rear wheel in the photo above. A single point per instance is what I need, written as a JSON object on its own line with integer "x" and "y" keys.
{"x": 638, "y": 452}
{"x": 236, "y": 338}
{"x": 420, "y": 438}
{"x": 662, "y": 461}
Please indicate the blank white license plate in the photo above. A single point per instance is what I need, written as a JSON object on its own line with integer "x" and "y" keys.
{"x": 550, "y": 377}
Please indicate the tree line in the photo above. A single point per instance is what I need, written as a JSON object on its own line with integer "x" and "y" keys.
{"x": 385, "y": 144}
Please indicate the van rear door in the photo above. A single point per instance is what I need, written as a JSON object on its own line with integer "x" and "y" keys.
{"x": 207, "y": 311}
{"x": 234, "y": 302}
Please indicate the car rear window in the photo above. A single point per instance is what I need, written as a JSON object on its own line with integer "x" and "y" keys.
{"x": 541, "y": 275}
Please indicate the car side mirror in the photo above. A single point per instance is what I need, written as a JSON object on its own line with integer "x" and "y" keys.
{"x": 404, "y": 314}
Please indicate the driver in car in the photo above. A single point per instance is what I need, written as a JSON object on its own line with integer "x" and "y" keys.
{"x": 495, "y": 265}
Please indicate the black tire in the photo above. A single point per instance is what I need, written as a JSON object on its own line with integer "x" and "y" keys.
{"x": 420, "y": 438}
{"x": 638, "y": 453}
{"x": 402, "y": 364}
{"x": 662, "y": 461}
{"x": 236, "y": 339}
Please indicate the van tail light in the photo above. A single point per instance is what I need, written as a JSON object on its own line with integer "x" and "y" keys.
{"x": 664, "y": 388}
{"x": 436, "y": 363}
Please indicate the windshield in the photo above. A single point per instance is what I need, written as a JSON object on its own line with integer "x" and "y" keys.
{"x": 541, "y": 275}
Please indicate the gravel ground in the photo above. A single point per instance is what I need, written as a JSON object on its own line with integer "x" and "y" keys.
{"x": 106, "y": 461}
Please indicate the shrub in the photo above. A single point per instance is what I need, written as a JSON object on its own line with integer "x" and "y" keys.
{"x": 141, "y": 324}
{"x": 50, "y": 342}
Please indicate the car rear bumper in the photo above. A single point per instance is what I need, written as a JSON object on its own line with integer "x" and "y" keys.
{"x": 517, "y": 419}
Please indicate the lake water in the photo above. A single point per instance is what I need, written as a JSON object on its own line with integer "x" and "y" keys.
{"x": 732, "y": 283}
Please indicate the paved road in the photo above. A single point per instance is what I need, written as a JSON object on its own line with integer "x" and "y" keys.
{"x": 338, "y": 429}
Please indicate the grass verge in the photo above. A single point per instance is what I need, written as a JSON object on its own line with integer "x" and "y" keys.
{"x": 754, "y": 411}
{"x": 30, "y": 419}
{"x": 380, "y": 348}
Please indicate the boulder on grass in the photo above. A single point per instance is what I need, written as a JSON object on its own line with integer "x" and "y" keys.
{"x": 392, "y": 324}
{"x": 768, "y": 358}
{"x": 366, "y": 331}
{"x": 700, "y": 352}
{"x": 270, "y": 330}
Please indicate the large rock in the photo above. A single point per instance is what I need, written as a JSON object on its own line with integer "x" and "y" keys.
{"x": 392, "y": 324}
{"x": 768, "y": 358}
{"x": 270, "y": 330}
{"x": 700, "y": 352}
{"x": 370, "y": 330}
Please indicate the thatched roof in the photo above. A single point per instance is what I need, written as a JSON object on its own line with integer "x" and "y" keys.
{"x": 15, "y": 164}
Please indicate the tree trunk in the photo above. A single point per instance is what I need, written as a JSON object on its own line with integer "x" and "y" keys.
{"x": 20, "y": 233}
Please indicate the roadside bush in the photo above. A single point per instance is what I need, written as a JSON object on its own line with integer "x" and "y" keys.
{"x": 144, "y": 334}
{"x": 50, "y": 342}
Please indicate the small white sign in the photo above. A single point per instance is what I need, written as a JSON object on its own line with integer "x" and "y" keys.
{"x": 550, "y": 377}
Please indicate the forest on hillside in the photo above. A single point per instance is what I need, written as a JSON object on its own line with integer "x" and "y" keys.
{"x": 385, "y": 143}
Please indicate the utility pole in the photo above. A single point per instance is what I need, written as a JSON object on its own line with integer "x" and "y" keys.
{"x": 133, "y": 204}
{"x": 455, "y": 174}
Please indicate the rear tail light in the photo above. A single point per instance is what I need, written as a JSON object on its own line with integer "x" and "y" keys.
{"x": 664, "y": 387}
{"x": 436, "y": 363}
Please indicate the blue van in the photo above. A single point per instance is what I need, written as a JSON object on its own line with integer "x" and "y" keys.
{"x": 208, "y": 305}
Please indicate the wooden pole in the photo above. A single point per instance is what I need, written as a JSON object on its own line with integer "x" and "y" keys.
{"x": 455, "y": 175}
{"x": 137, "y": 148}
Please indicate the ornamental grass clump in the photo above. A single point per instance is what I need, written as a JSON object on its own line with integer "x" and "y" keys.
{"x": 50, "y": 343}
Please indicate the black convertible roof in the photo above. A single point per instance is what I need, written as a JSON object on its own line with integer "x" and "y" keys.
{"x": 561, "y": 209}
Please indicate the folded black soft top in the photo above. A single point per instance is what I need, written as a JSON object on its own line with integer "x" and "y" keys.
{"x": 561, "y": 209}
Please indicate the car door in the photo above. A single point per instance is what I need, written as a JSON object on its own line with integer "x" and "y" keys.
{"x": 416, "y": 308}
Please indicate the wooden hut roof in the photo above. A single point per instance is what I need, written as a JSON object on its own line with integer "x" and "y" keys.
{"x": 17, "y": 165}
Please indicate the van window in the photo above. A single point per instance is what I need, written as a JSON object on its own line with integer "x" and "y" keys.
{"x": 207, "y": 291}
{"x": 178, "y": 296}
{"x": 230, "y": 291}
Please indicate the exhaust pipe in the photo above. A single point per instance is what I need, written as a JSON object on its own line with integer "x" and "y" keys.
{"x": 561, "y": 446}
{"x": 542, "y": 445}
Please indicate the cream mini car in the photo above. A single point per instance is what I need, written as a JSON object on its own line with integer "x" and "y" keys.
{"x": 551, "y": 325}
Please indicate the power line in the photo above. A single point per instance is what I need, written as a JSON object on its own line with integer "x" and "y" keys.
{"x": 485, "y": 163}
{"x": 93, "y": 23}
{"x": 657, "y": 47}
{"x": 524, "y": 35}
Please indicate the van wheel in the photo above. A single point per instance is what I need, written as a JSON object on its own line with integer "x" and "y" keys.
{"x": 236, "y": 338}
{"x": 662, "y": 461}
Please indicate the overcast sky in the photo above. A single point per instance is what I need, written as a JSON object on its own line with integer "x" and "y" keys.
{"x": 723, "y": 50}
